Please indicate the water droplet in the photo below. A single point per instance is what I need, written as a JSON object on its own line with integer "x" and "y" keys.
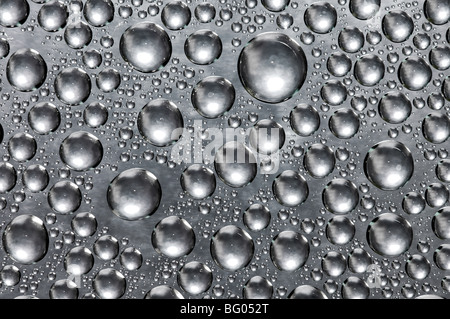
{"x": 351, "y": 39}
{"x": 81, "y": 151}
{"x": 258, "y": 287}
{"x": 437, "y": 11}
{"x": 359, "y": 260}
{"x": 106, "y": 247}
{"x": 275, "y": 5}
{"x": 176, "y": 15}
{"x": 307, "y": 292}
{"x": 333, "y": 92}
{"x": 321, "y": 17}
{"x": 369, "y": 70}
{"x": 35, "y": 178}
{"x": 73, "y": 86}
{"x": 436, "y": 195}
{"x": 163, "y": 292}
{"x": 63, "y": 289}
{"x": 53, "y": 16}
{"x": 440, "y": 58}
{"x": 205, "y": 12}
{"x": 442, "y": 257}
{"x": 84, "y": 224}
{"x": 267, "y": 137}
{"x": 8, "y": 177}
{"x": 78, "y": 35}
{"x": 339, "y": 64}
{"x": 436, "y": 128}
{"x": 64, "y": 197}
{"x": 257, "y": 217}
{"x": 203, "y": 47}
{"x": 355, "y": 288}
{"x": 195, "y": 278}
{"x": 108, "y": 80}
{"x": 340, "y": 230}
{"x": 413, "y": 203}
{"x": 78, "y": 261}
{"x": 95, "y": 114}
{"x": 334, "y": 264}
{"x": 304, "y": 120}
{"x": 26, "y": 70}
{"x": 13, "y": 12}
{"x": 98, "y": 13}
{"x": 344, "y": 123}
{"x": 364, "y": 9}
{"x": 319, "y": 160}
{"x": 213, "y": 96}
{"x": 173, "y": 237}
{"x": 22, "y": 147}
{"x": 443, "y": 170}
{"x": 289, "y": 250}
{"x": 109, "y": 284}
{"x": 10, "y": 275}
{"x": 198, "y": 181}
{"x": 414, "y": 73}
{"x": 397, "y": 26}
{"x": 131, "y": 259}
{"x": 44, "y": 118}
{"x": 394, "y": 107}
{"x": 290, "y": 188}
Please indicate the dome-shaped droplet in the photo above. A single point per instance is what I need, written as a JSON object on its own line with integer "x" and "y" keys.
{"x": 78, "y": 35}
{"x": 437, "y": 11}
{"x": 160, "y": 122}
{"x": 26, "y": 70}
{"x": 272, "y": 67}
{"x": 35, "y": 178}
{"x": 436, "y": 127}
{"x": 321, "y": 17}
{"x": 108, "y": 80}
{"x": 235, "y": 164}
{"x": 413, "y": 203}
{"x": 195, "y": 278}
{"x": 258, "y": 287}
{"x": 131, "y": 258}
{"x": 95, "y": 114}
{"x": 13, "y": 12}
{"x": 64, "y": 197}
{"x": 22, "y": 147}
{"x": 351, "y": 39}
{"x": 257, "y": 217}
{"x": 369, "y": 70}
{"x": 232, "y": 248}
{"x": 98, "y": 13}
{"x": 213, "y": 96}
{"x": 333, "y": 92}
{"x": 4, "y": 48}
{"x": 339, "y": 64}
{"x": 275, "y": 5}
{"x": 389, "y": 165}
{"x": 81, "y": 151}
{"x": 334, "y": 264}
{"x": 44, "y": 118}
{"x": 307, "y": 292}
{"x": 397, "y": 26}
{"x": 10, "y": 275}
{"x": 84, "y": 224}
{"x": 340, "y": 196}
{"x": 173, "y": 237}
{"x": 394, "y": 107}
{"x": 176, "y": 15}
{"x": 8, "y": 177}
{"x": 344, "y": 123}
{"x": 364, "y": 9}
{"x": 134, "y": 194}
{"x": 53, "y": 16}
{"x": 355, "y": 288}
{"x": 443, "y": 170}
{"x": 203, "y": 47}
{"x": 290, "y": 188}
{"x": 78, "y": 261}
{"x": 198, "y": 181}
{"x": 418, "y": 267}
{"x": 340, "y": 230}
{"x": 436, "y": 195}
{"x": 163, "y": 292}
{"x": 289, "y": 250}
{"x": 440, "y": 57}
{"x": 359, "y": 260}
{"x": 305, "y": 120}
{"x": 442, "y": 257}
{"x": 414, "y": 73}
{"x": 109, "y": 284}
{"x": 205, "y": 12}
{"x": 63, "y": 289}
{"x": 319, "y": 160}
{"x": 25, "y": 239}
{"x": 146, "y": 46}
{"x": 389, "y": 235}
{"x": 267, "y": 137}
{"x": 106, "y": 247}
{"x": 73, "y": 86}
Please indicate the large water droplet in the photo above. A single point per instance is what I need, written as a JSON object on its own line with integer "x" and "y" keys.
{"x": 176, "y": 15}
{"x": 397, "y": 26}
{"x": 436, "y": 128}
{"x": 319, "y": 160}
{"x": 73, "y": 86}
{"x": 290, "y": 188}
{"x": 44, "y": 118}
{"x": 203, "y": 47}
{"x": 198, "y": 181}
{"x": 364, "y": 9}
{"x": 53, "y": 16}
{"x": 321, "y": 17}
{"x": 195, "y": 278}
{"x": 213, "y": 96}
{"x": 98, "y": 12}
{"x": 81, "y": 151}
{"x": 26, "y": 70}
{"x": 64, "y": 197}
{"x": 173, "y": 237}
{"x": 394, "y": 107}
{"x": 109, "y": 284}
{"x": 13, "y": 12}
{"x": 289, "y": 250}
{"x": 369, "y": 70}
{"x": 414, "y": 73}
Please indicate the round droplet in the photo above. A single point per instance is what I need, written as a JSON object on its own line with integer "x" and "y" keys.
{"x": 394, "y": 107}
{"x": 203, "y": 47}
{"x": 92, "y": 58}
{"x": 418, "y": 267}
{"x": 8, "y": 177}
{"x": 333, "y": 92}
{"x": 44, "y": 118}
{"x": 173, "y": 237}
{"x": 258, "y": 287}
{"x": 78, "y": 261}
{"x": 106, "y": 247}
{"x": 213, "y": 96}
{"x": 355, "y": 288}
{"x": 389, "y": 165}
{"x": 340, "y": 230}
{"x": 160, "y": 122}
{"x": 436, "y": 127}
{"x": 437, "y": 11}
{"x": 22, "y": 147}
{"x": 163, "y": 292}
{"x": 344, "y": 123}
{"x": 63, "y": 289}
{"x": 285, "y": 21}
{"x": 95, "y": 114}
{"x": 339, "y": 64}
{"x": 307, "y": 292}
{"x": 351, "y": 39}
{"x": 53, "y": 16}
{"x": 340, "y": 196}
{"x": 134, "y": 194}
{"x": 109, "y": 284}
{"x": 275, "y": 5}
{"x": 205, "y": 12}
{"x": 176, "y": 15}
{"x": 73, "y": 86}
{"x": 267, "y": 137}
{"x": 198, "y": 181}
{"x": 232, "y": 248}
{"x": 369, "y": 70}
{"x": 10, "y": 275}
{"x": 290, "y": 188}
{"x": 78, "y": 35}
{"x": 146, "y": 46}
{"x": 195, "y": 278}
{"x": 334, "y": 264}
{"x": 235, "y": 164}
{"x": 440, "y": 58}
{"x": 272, "y": 67}
{"x": 436, "y": 195}
{"x": 289, "y": 250}
{"x": 359, "y": 260}
{"x": 319, "y": 160}
{"x": 35, "y": 178}
{"x": 304, "y": 120}
{"x": 81, "y": 151}
{"x": 131, "y": 259}
{"x": 443, "y": 170}
{"x": 4, "y": 48}
{"x": 442, "y": 257}
{"x": 321, "y": 17}
{"x": 257, "y": 217}
{"x": 414, "y": 73}
{"x": 98, "y": 13}
{"x": 389, "y": 235}
{"x": 84, "y": 224}
{"x": 25, "y": 239}
{"x": 364, "y": 9}
{"x": 108, "y": 80}
{"x": 397, "y": 26}
{"x": 413, "y": 203}
{"x": 26, "y": 70}
{"x": 64, "y": 197}
{"x": 13, "y": 12}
